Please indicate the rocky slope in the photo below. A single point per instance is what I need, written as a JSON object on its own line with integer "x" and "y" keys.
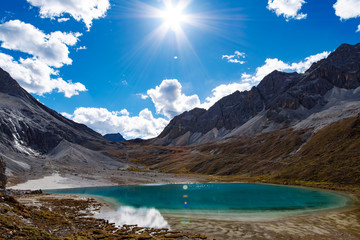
{"x": 114, "y": 137}
{"x": 34, "y": 138}
{"x": 329, "y": 156}
{"x": 327, "y": 92}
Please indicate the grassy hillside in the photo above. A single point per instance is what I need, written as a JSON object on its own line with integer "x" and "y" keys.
{"x": 246, "y": 157}
{"x": 331, "y": 155}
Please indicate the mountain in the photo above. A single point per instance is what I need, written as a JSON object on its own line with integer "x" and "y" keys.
{"x": 327, "y": 92}
{"x": 35, "y": 139}
{"x": 114, "y": 137}
{"x": 329, "y": 156}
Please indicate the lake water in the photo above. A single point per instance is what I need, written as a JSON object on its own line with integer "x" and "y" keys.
{"x": 136, "y": 203}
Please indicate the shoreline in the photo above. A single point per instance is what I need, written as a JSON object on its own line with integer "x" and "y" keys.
{"x": 353, "y": 199}
{"x": 319, "y": 224}
{"x": 351, "y": 203}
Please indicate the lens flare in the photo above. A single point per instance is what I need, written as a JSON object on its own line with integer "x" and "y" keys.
{"x": 185, "y": 221}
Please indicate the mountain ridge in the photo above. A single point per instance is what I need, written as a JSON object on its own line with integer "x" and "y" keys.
{"x": 284, "y": 99}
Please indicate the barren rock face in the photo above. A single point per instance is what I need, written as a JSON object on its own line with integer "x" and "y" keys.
{"x": 284, "y": 98}
{"x": 27, "y": 122}
{"x": 30, "y": 133}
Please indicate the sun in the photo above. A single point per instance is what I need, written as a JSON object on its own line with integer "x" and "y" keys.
{"x": 173, "y": 17}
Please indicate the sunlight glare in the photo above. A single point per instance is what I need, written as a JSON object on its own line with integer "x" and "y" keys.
{"x": 173, "y": 17}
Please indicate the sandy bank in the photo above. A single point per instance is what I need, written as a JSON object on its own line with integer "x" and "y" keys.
{"x": 58, "y": 181}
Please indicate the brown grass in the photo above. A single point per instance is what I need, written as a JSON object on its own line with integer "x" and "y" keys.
{"x": 61, "y": 219}
{"x": 331, "y": 156}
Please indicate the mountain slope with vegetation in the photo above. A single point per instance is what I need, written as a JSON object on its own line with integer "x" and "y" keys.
{"x": 331, "y": 155}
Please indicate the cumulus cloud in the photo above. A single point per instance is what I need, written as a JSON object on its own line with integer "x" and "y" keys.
{"x": 288, "y": 8}
{"x": 35, "y": 76}
{"x": 80, "y": 10}
{"x": 169, "y": 99}
{"x": 346, "y": 9}
{"x": 222, "y": 91}
{"x": 51, "y": 49}
{"x": 47, "y": 51}
{"x": 237, "y": 57}
{"x": 272, "y": 64}
{"x": 104, "y": 121}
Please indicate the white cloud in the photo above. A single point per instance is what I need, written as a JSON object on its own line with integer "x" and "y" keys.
{"x": 272, "y": 64}
{"x": 143, "y": 96}
{"x": 63, "y": 19}
{"x": 80, "y": 10}
{"x": 103, "y": 121}
{"x": 48, "y": 51}
{"x": 346, "y": 9}
{"x": 235, "y": 58}
{"x": 288, "y": 8}
{"x": 51, "y": 49}
{"x": 222, "y": 91}
{"x": 35, "y": 76}
{"x": 169, "y": 100}
{"x": 81, "y": 48}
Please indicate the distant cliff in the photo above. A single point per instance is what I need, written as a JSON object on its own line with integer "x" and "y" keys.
{"x": 114, "y": 137}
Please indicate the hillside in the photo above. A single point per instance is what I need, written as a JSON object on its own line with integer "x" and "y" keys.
{"x": 37, "y": 141}
{"x": 331, "y": 155}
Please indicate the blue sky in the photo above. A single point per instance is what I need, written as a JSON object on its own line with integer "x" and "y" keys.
{"x": 130, "y": 66}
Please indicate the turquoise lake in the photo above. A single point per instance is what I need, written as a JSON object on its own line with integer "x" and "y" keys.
{"x": 216, "y": 197}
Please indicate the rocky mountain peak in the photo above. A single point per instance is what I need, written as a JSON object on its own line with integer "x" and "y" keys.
{"x": 283, "y": 98}
{"x": 9, "y": 86}
{"x": 35, "y": 138}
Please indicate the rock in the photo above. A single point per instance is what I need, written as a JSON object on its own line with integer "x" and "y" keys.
{"x": 3, "y": 178}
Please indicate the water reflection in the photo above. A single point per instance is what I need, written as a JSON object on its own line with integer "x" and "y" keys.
{"x": 143, "y": 217}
